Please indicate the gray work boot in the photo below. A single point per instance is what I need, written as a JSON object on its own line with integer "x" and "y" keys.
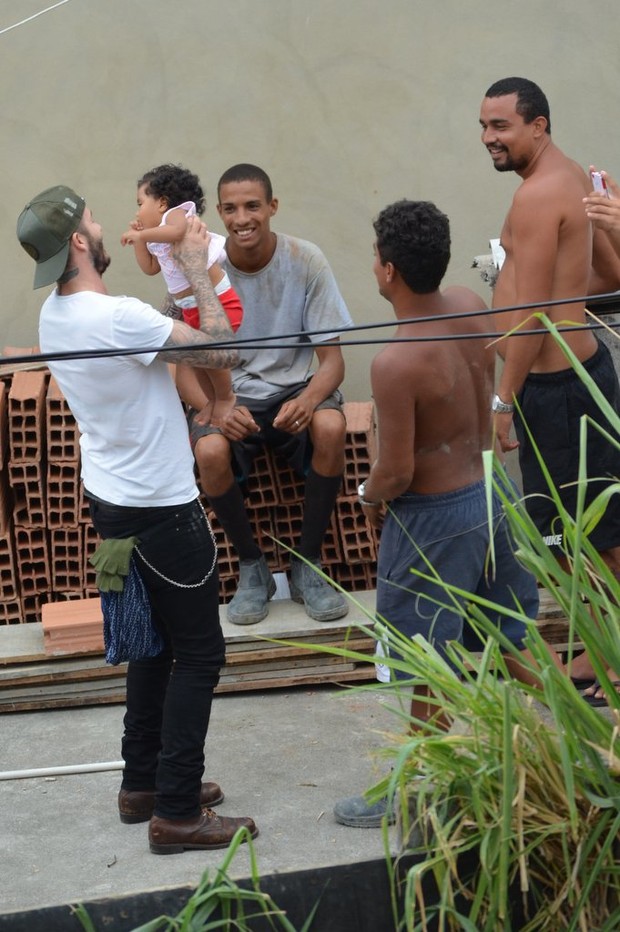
{"x": 355, "y": 812}
{"x": 320, "y": 600}
{"x": 256, "y": 586}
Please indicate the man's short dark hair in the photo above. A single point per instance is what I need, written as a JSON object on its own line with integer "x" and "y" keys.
{"x": 246, "y": 172}
{"x": 415, "y": 237}
{"x": 531, "y": 102}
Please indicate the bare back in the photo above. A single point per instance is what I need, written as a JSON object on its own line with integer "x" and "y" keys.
{"x": 433, "y": 398}
{"x": 548, "y": 243}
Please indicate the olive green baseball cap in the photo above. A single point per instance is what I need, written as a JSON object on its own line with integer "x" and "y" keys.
{"x": 45, "y": 227}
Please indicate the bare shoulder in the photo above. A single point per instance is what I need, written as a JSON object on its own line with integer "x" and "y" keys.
{"x": 460, "y": 298}
{"x": 398, "y": 362}
{"x": 405, "y": 370}
{"x": 392, "y": 357}
{"x": 397, "y": 375}
{"x": 557, "y": 178}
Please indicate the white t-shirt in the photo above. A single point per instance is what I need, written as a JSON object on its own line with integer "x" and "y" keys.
{"x": 134, "y": 438}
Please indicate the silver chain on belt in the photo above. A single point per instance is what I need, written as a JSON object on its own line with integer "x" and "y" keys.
{"x": 181, "y": 585}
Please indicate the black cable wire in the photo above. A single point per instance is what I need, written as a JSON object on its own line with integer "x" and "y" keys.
{"x": 255, "y": 342}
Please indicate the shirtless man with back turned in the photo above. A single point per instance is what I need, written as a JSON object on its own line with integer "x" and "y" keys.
{"x": 433, "y": 403}
{"x": 552, "y": 252}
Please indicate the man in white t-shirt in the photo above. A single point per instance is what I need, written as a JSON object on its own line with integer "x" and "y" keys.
{"x": 137, "y": 468}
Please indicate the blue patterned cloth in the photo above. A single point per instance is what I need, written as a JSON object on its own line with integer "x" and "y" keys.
{"x": 128, "y": 631}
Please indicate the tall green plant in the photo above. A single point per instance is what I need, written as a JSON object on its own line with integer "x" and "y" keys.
{"x": 534, "y": 801}
{"x": 539, "y": 802}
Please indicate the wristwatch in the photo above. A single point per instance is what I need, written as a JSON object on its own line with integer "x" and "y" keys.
{"x": 360, "y": 496}
{"x": 501, "y": 407}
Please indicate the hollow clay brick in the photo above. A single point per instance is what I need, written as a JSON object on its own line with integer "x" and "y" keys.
{"x": 4, "y": 425}
{"x": 67, "y": 559}
{"x": 32, "y": 552}
{"x": 287, "y": 521}
{"x": 9, "y": 585}
{"x": 359, "y": 541}
{"x": 228, "y": 587}
{"x": 262, "y": 482}
{"x": 31, "y": 604}
{"x": 261, "y": 519}
{"x": 91, "y": 542}
{"x": 83, "y": 511}
{"x": 361, "y": 444}
{"x": 354, "y": 577}
{"x": 63, "y": 438}
{"x": 11, "y": 612}
{"x": 63, "y": 497}
{"x": 6, "y": 502}
{"x": 227, "y": 559}
{"x": 27, "y": 415}
{"x": 28, "y": 485}
{"x": 289, "y": 486}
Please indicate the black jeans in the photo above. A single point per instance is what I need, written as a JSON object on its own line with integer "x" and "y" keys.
{"x": 169, "y": 696}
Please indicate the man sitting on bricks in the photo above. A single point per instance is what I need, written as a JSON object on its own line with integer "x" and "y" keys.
{"x": 287, "y": 288}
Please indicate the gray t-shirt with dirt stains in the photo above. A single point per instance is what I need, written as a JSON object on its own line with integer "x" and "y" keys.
{"x": 295, "y": 293}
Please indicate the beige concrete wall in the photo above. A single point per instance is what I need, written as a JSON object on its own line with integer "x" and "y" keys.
{"x": 348, "y": 104}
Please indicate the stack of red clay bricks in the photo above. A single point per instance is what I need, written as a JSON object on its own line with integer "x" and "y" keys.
{"x": 46, "y": 532}
{"x": 46, "y": 537}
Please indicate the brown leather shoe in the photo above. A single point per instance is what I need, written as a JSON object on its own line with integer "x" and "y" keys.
{"x": 137, "y": 806}
{"x": 173, "y": 836}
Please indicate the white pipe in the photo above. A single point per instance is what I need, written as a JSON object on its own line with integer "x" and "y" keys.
{"x": 59, "y": 771}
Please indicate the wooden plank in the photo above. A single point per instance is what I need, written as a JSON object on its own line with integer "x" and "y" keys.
{"x": 549, "y": 607}
{"x": 259, "y": 655}
{"x": 62, "y": 671}
{"x": 359, "y": 673}
{"x": 285, "y": 667}
{"x": 65, "y": 702}
{"x": 55, "y": 689}
{"x": 364, "y": 645}
{"x": 68, "y": 671}
{"x": 344, "y": 635}
{"x": 69, "y": 685}
{"x": 117, "y": 696}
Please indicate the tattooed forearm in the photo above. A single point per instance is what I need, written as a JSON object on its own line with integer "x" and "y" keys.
{"x": 213, "y": 319}
{"x": 192, "y": 254}
{"x": 184, "y": 336}
{"x": 169, "y": 308}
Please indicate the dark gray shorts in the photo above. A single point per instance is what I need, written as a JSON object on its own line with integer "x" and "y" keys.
{"x": 452, "y": 532}
{"x": 296, "y": 448}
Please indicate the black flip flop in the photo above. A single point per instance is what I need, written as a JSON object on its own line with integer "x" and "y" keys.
{"x": 582, "y": 682}
{"x": 598, "y": 701}
{"x": 594, "y": 700}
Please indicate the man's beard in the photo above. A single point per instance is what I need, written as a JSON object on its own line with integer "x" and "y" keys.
{"x": 98, "y": 256}
{"x": 510, "y": 164}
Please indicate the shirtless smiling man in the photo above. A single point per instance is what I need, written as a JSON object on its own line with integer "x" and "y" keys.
{"x": 552, "y": 252}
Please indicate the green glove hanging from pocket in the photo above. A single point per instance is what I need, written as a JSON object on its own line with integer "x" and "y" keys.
{"x": 112, "y": 559}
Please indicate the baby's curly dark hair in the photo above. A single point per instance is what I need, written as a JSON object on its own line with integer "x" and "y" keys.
{"x": 176, "y": 184}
